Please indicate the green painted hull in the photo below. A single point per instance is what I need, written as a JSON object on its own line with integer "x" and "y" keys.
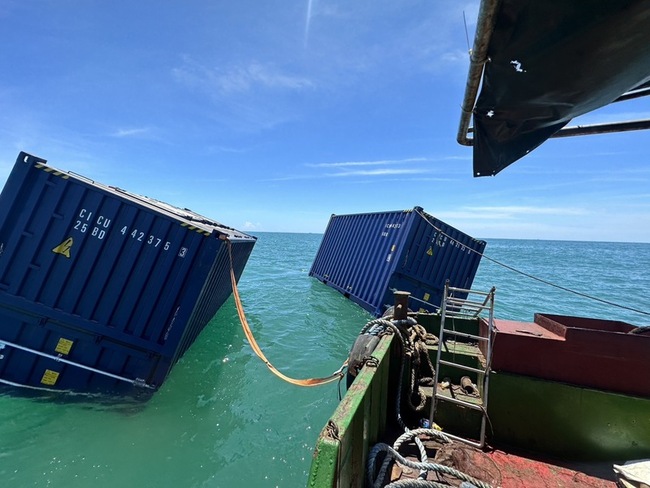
{"x": 568, "y": 421}
{"x": 357, "y": 423}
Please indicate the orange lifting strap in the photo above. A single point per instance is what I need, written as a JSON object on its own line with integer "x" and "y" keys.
{"x": 249, "y": 335}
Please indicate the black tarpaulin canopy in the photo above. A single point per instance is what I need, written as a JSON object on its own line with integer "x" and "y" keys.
{"x": 540, "y": 64}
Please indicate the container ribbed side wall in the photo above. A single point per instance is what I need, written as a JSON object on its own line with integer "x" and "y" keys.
{"x": 216, "y": 291}
{"x": 112, "y": 279}
{"x": 369, "y": 256}
{"x": 96, "y": 256}
{"x": 359, "y": 252}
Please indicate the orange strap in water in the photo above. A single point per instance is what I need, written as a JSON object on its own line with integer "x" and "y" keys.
{"x": 249, "y": 335}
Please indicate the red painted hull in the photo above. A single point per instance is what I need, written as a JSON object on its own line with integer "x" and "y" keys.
{"x": 592, "y": 353}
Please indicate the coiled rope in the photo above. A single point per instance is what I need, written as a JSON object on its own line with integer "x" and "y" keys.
{"x": 438, "y": 468}
{"x": 532, "y": 277}
{"x": 336, "y": 376}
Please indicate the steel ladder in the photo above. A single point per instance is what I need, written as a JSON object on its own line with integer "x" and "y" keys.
{"x": 475, "y": 304}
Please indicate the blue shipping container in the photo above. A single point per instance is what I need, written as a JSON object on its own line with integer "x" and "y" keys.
{"x": 369, "y": 256}
{"x": 102, "y": 290}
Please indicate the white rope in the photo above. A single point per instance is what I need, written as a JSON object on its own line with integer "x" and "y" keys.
{"x": 392, "y": 453}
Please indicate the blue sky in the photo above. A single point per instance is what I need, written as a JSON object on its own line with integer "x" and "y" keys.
{"x": 271, "y": 116}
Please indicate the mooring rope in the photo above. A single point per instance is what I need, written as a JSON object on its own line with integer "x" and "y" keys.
{"x": 532, "y": 277}
{"x": 435, "y": 467}
{"x": 418, "y": 483}
{"x": 337, "y": 375}
{"x": 396, "y": 327}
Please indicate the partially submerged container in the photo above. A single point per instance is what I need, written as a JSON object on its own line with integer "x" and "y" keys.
{"x": 102, "y": 290}
{"x": 368, "y": 256}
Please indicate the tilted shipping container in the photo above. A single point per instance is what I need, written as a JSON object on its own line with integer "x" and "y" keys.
{"x": 369, "y": 256}
{"x": 102, "y": 290}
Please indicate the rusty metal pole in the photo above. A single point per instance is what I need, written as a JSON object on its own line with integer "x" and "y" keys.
{"x": 401, "y": 305}
{"x": 478, "y": 58}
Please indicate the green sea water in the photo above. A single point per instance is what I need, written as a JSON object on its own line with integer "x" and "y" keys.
{"x": 223, "y": 420}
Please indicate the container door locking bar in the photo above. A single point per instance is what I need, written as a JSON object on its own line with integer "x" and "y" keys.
{"x": 136, "y": 382}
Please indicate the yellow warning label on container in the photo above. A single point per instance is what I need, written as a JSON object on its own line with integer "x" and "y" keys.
{"x": 392, "y": 249}
{"x": 49, "y": 377}
{"x": 63, "y": 346}
{"x": 426, "y": 297}
{"x": 430, "y": 251}
{"x": 64, "y": 247}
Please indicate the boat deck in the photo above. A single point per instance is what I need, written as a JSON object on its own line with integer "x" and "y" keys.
{"x": 506, "y": 469}
{"x": 532, "y": 329}
{"x": 501, "y": 467}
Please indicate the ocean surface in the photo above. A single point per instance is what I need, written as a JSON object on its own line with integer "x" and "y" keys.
{"x": 223, "y": 420}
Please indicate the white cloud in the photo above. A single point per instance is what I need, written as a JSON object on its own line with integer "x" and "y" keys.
{"x": 239, "y": 79}
{"x": 245, "y": 78}
{"x": 252, "y": 225}
{"x": 515, "y": 211}
{"x": 378, "y": 172}
{"x": 366, "y": 163}
{"x": 247, "y": 97}
{"x": 133, "y": 132}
